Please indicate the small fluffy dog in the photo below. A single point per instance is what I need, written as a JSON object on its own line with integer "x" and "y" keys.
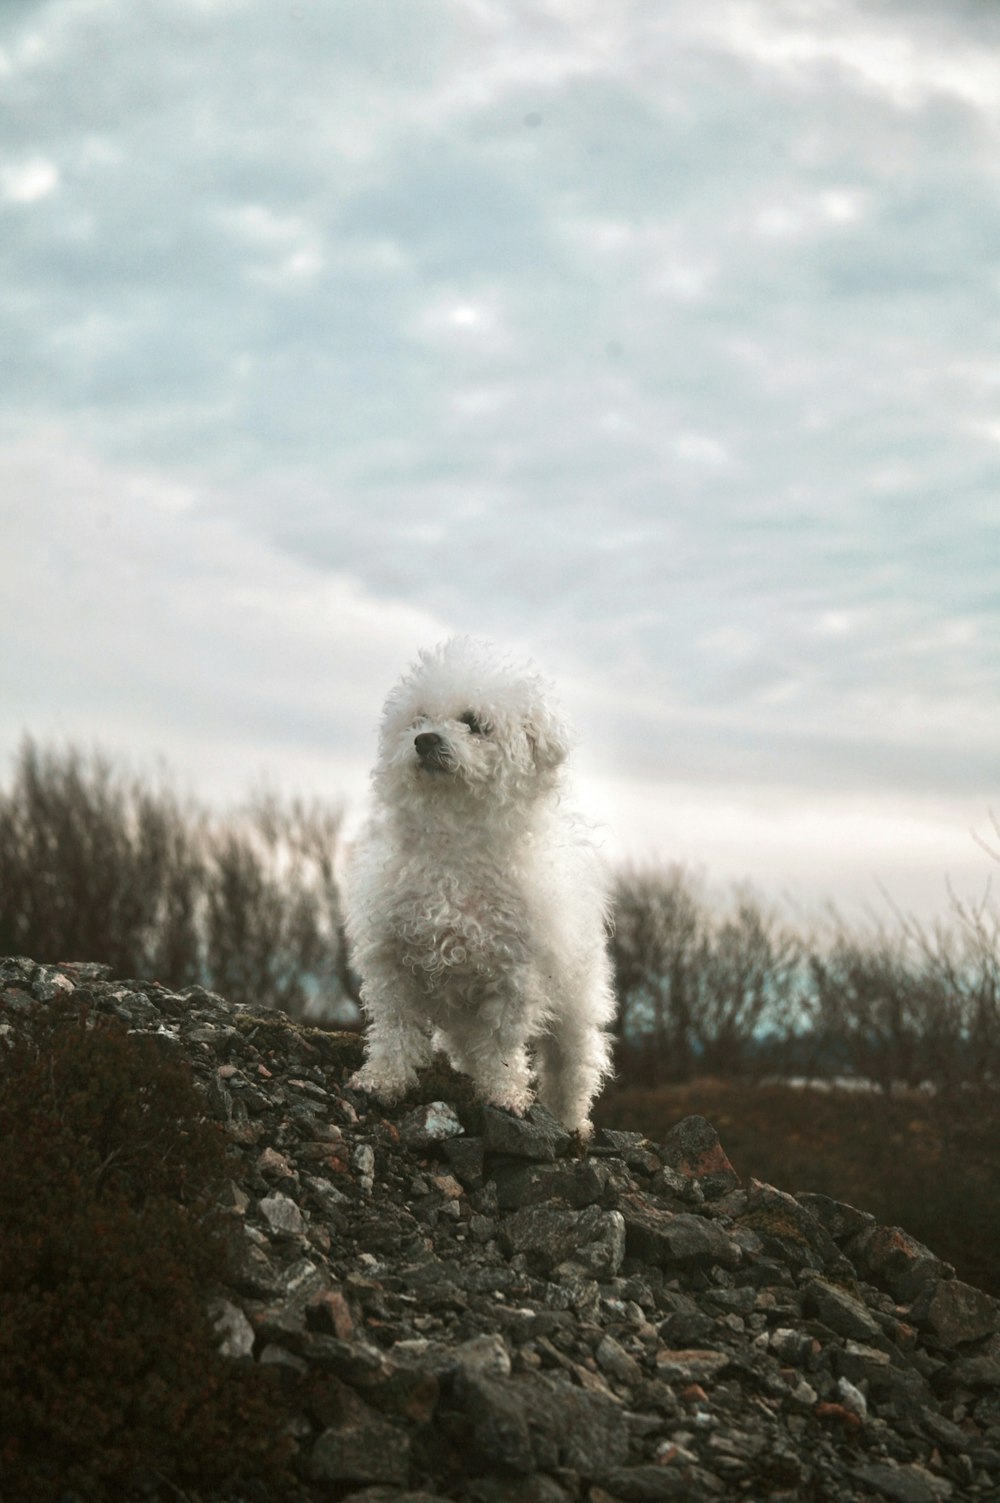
{"x": 476, "y": 905}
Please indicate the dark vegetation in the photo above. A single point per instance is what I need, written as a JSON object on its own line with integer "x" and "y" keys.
{"x": 98, "y": 865}
{"x": 110, "y": 1377}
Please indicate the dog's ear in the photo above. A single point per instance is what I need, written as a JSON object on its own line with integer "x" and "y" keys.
{"x": 548, "y": 741}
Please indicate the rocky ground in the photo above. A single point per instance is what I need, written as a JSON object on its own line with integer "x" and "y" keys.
{"x": 504, "y": 1317}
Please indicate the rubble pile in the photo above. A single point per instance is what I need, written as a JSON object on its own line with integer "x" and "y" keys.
{"x": 504, "y": 1316}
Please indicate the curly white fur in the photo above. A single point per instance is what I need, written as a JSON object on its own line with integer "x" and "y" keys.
{"x": 476, "y": 905}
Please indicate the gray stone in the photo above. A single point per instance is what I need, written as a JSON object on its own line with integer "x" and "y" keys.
{"x": 646, "y": 1484}
{"x": 681, "y": 1241}
{"x": 236, "y": 1334}
{"x": 690, "y": 1366}
{"x": 603, "y": 1254}
{"x": 839, "y": 1219}
{"x": 692, "y": 1148}
{"x": 276, "y": 1355}
{"x": 251, "y": 1270}
{"x": 852, "y": 1398}
{"x": 483, "y": 1356}
{"x": 788, "y": 1229}
{"x": 955, "y": 1312}
{"x": 864, "y": 1364}
{"x": 467, "y": 1158}
{"x": 904, "y": 1484}
{"x": 840, "y": 1311}
{"x": 363, "y": 1161}
{"x": 613, "y": 1359}
{"x": 976, "y": 1372}
{"x": 366, "y": 1448}
{"x": 537, "y": 1136}
{"x": 433, "y": 1123}
{"x": 550, "y": 1235}
{"x": 282, "y": 1215}
{"x": 795, "y": 1348}
{"x": 890, "y": 1257}
{"x": 532, "y": 1422}
{"x": 580, "y": 1183}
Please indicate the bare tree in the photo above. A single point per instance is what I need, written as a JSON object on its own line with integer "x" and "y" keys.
{"x": 657, "y": 950}
{"x": 272, "y": 909}
{"x": 749, "y": 986}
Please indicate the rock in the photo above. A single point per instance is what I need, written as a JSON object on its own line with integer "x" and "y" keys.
{"x": 282, "y": 1215}
{"x": 898, "y": 1262}
{"x": 82, "y": 972}
{"x": 548, "y": 1235}
{"x": 531, "y": 1422}
{"x": 467, "y": 1158}
{"x": 364, "y": 1448}
{"x": 670, "y": 1240}
{"x": 691, "y": 1366}
{"x": 904, "y": 1484}
{"x": 955, "y": 1312}
{"x": 363, "y": 1161}
{"x": 788, "y": 1228}
{"x": 852, "y": 1398}
{"x": 431, "y": 1124}
{"x": 642, "y": 1484}
{"x": 328, "y": 1312}
{"x": 692, "y": 1148}
{"x": 537, "y": 1136}
{"x": 840, "y": 1311}
{"x": 840, "y": 1220}
{"x": 613, "y": 1359}
{"x": 976, "y": 1372}
{"x": 236, "y": 1334}
{"x": 483, "y": 1357}
{"x": 578, "y": 1184}
{"x": 864, "y": 1364}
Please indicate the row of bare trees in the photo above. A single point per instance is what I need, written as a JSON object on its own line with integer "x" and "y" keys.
{"x": 738, "y": 991}
{"x": 97, "y": 864}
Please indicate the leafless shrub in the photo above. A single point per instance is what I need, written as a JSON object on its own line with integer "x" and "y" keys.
{"x": 95, "y": 865}
{"x": 872, "y": 1004}
{"x": 272, "y": 914}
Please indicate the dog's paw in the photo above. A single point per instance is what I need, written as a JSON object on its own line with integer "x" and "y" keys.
{"x": 384, "y": 1088}
{"x": 514, "y": 1106}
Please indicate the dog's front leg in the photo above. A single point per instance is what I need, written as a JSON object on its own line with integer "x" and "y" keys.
{"x": 490, "y": 1045}
{"x": 398, "y": 1040}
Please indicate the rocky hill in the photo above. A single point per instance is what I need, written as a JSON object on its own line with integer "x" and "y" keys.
{"x": 467, "y": 1306}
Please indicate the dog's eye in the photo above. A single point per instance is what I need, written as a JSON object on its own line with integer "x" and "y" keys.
{"x": 472, "y": 720}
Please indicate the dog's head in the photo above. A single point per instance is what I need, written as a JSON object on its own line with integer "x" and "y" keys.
{"x": 464, "y": 723}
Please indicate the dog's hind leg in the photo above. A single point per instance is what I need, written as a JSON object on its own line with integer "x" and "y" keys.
{"x": 571, "y": 1063}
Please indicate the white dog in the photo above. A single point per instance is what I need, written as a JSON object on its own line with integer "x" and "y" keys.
{"x": 476, "y": 906}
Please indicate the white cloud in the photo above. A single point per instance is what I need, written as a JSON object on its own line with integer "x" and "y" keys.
{"x": 905, "y": 53}
{"x": 28, "y": 182}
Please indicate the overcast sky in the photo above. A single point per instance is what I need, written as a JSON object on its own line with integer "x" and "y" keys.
{"x": 657, "y": 339}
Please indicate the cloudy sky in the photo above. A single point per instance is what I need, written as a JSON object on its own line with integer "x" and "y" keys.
{"x": 657, "y": 339}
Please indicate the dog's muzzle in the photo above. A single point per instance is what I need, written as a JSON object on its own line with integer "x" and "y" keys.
{"x": 433, "y": 752}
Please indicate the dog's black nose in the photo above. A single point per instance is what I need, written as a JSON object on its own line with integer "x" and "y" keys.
{"x": 426, "y": 742}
